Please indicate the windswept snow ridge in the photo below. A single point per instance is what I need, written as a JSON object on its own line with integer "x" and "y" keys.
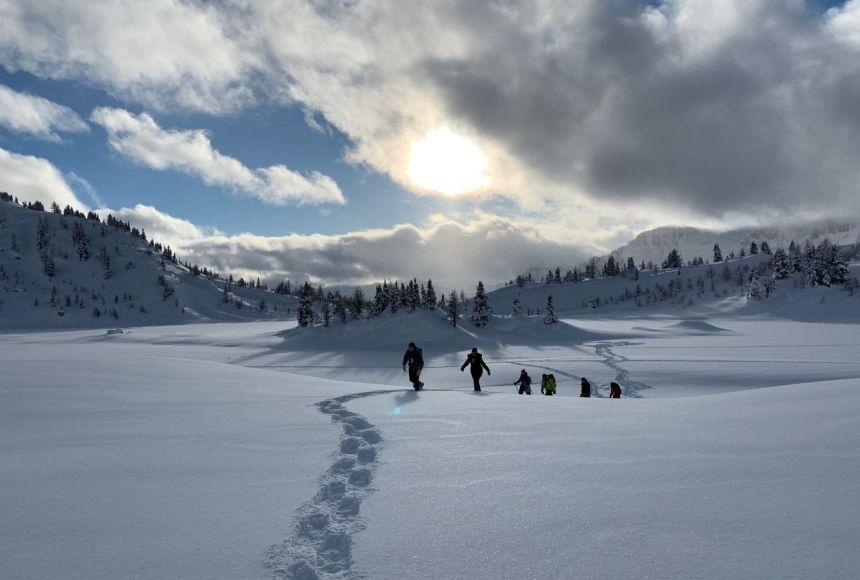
{"x": 321, "y": 544}
{"x": 629, "y": 387}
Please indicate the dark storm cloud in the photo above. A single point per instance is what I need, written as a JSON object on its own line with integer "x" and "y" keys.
{"x": 636, "y": 104}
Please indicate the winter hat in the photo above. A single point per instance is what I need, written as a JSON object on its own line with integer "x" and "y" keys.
{"x": 412, "y": 344}
{"x": 475, "y": 349}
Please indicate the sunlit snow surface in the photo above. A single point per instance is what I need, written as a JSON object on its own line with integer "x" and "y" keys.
{"x": 221, "y": 451}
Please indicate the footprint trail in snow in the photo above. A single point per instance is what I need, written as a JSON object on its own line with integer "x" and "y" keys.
{"x": 321, "y": 543}
{"x": 629, "y": 387}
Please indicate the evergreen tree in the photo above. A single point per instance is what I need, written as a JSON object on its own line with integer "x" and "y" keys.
{"x": 305, "y": 312}
{"x": 753, "y": 248}
{"x": 811, "y": 265}
{"x": 443, "y": 306}
{"x": 340, "y": 309}
{"x": 673, "y": 260}
{"x": 591, "y": 269}
{"x": 326, "y": 313}
{"x": 394, "y": 300}
{"x": 430, "y": 302}
{"x": 453, "y": 308}
{"x": 48, "y": 266}
{"x": 765, "y": 248}
{"x": 610, "y": 269}
{"x": 549, "y": 315}
{"x": 557, "y": 277}
{"x": 357, "y": 303}
{"x": 781, "y": 267}
{"x": 794, "y": 257}
{"x": 104, "y": 259}
{"x": 516, "y": 308}
{"x": 631, "y": 266}
{"x": 718, "y": 253}
{"x": 480, "y": 310}
{"x": 379, "y": 300}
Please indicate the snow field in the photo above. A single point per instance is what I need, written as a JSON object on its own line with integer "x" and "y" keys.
{"x": 224, "y": 451}
{"x": 754, "y": 484}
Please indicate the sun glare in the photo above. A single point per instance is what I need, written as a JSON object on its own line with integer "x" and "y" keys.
{"x": 448, "y": 163}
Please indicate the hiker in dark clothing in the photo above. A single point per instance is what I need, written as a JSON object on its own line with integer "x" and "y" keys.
{"x": 414, "y": 359}
{"x": 614, "y": 390}
{"x": 586, "y": 388}
{"x": 525, "y": 383}
{"x": 476, "y": 364}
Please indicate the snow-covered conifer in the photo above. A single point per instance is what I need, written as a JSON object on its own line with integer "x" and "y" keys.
{"x": 305, "y": 312}
{"x": 549, "y": 314}
{"x": 516, "y": 308}
{"x": 453, "y": 308}
{"x": 430, "y": 301}
{"x": 781, "y": 267}
{"x": 480, "y": 309}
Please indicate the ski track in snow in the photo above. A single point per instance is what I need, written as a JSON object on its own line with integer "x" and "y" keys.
{"x": 629, "y": 387}
{"x": 321, "y": 543}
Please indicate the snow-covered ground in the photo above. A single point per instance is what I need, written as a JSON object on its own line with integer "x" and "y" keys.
{"x": 238, "y": 450}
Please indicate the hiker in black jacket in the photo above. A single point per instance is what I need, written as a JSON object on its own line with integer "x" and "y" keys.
{"x": 586, "y": 388}
{"x": 476, "y": 364}
{"x": 414, "y": 359}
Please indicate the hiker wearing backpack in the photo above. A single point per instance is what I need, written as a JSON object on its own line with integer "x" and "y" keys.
{"x": 547, "y": 385}
{"x": 525, "y": 383}
{"x": 614, "y": 390}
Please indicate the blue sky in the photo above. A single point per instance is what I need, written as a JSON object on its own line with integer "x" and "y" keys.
{"x": 262, "y": 136}
{"x": 467, "y": 139}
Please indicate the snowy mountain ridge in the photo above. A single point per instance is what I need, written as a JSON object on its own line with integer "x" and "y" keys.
{"x": 653, "y": 245}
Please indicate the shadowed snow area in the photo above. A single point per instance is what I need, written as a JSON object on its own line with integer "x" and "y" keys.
{"x": 226, "y": 451}
{"x": 430, "y": 330}
{"x": 698, "y": 326}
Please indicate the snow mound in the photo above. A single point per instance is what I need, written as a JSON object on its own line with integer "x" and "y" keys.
{"x": 698, "y": 327}
{"x": 112, "y": 331}
{"x": 429, "y": 328}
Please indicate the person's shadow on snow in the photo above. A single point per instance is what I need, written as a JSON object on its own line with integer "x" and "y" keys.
{"x": 405, "y": 398}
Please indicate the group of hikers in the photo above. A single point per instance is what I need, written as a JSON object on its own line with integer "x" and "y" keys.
{"x": 413, "y": 362}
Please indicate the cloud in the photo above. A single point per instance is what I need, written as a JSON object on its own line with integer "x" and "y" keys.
{"x": 453, "y": 254}
{"x": 162, "y": 53}
{"x": 160, "y": 226}
{"x": 35, "y": 179}
{"x": 36, "y": 116}
{"x": 83, "y": 185}
{"x": 711, "y": 108}
{"x": 139, "y": 138}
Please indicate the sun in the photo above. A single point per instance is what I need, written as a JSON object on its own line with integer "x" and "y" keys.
{"x": 447, "y": 163}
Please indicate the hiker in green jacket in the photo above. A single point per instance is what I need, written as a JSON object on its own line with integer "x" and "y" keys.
{"x": 547, "y": 385}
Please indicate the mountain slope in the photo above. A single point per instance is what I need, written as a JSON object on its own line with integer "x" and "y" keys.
{"x": 61, "y": 271}
{"x": 704, "y": 290}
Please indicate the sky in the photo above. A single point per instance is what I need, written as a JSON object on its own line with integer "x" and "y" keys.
{"x": 349, "y": 141}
